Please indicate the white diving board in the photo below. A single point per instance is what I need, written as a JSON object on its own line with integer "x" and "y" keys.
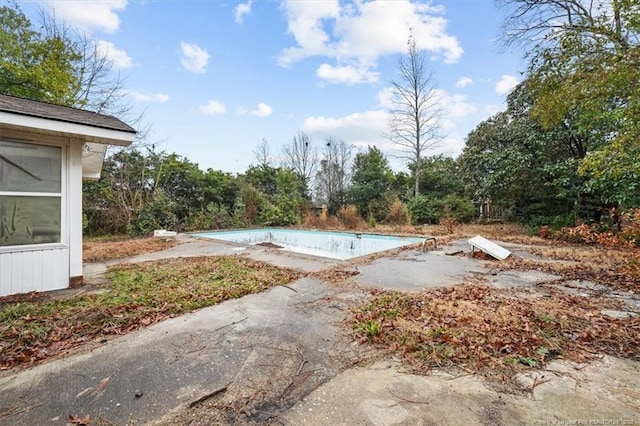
{"x": 489, "y": 247}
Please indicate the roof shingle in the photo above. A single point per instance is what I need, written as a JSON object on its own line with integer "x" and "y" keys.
{"x": 38, "y": 109}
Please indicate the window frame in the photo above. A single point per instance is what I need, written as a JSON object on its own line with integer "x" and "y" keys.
{"x": 62, "y": 195}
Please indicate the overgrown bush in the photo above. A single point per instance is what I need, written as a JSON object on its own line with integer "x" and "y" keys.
{"x": 349, "y": 217}
{"x": 430, "y": 210}
{"x": 398, "y": 213}
{"x": 459, "y": 208}
{"x": 449, "y": 224}
{"x": 604, "y": 233}
{"x": 315, "y": 220}
{"x": 424, "y": 210}
{"x": 155, "y": 214}
{"x": 274, "y": 215}
{"x": 248, "y": 206}
{"x": 213, "y": 216}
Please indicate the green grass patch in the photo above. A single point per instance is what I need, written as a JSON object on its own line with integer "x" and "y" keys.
{"x": 138, "y": 295}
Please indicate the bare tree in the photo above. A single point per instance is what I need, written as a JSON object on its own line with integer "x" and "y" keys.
{"x": 334, "y": 174}
{"x": 414, "y": 124}
{"x": 262, "y": 152}
{"x": 541, "y": 24}
{"x": 99, "y": 87}
{"x": 301, "y": 156}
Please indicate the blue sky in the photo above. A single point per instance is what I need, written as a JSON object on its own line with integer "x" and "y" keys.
{"x": 214, "y": 78}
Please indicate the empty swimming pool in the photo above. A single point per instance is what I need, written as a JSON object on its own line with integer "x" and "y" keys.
{"x": 335, "y": 245}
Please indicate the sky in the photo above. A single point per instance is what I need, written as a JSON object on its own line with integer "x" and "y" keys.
{"x": 215, "y": 78}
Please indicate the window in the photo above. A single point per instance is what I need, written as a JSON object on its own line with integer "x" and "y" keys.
{"x": 30, "y": 193}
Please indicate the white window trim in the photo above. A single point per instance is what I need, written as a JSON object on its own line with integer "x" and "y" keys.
{"x": 64, "y": 189}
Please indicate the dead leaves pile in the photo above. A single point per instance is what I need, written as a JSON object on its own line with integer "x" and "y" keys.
{"x": 483, "y": 330}
{"x": 97, "y": 251}
{"x": 615, "y": 269}
{"x": 138, "y": 295}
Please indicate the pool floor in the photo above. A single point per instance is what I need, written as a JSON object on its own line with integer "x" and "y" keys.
{"x": 333, "y": 245}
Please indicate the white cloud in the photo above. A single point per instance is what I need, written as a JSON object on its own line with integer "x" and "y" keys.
{"x": 120, "y": 58}
{"x": 367, "y": 128}
{"x": 89, "y": 15}
{"x": 242, "y": 9}
{"x": 194, "y": 58}
{"x": 262, "y": 110}
{"x": 385, "y": 97}
{"x": 506, "y": 84}
{"x": 360, "y": 129}
{"x": 213, "y": 107}
{"x": 345, "y": 33}
{"x": 148, "y": 97}
{"x": 347, "y": 74}
{"x": 455, "y": 106}
{"x": 463, "y": 82}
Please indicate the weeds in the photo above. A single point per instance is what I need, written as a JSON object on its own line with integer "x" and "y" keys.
{"x": 349, "y": 217}
{"x": 486, "y": 330}
{"x": 138, "y": 295}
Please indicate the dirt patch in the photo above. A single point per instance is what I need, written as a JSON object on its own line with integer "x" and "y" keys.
{"x": 98, "y": 251}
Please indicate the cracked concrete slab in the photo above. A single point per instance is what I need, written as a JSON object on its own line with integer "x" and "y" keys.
{"x": 282, "y": 357}
{"x": 383, "y": 394}
{"x": 147, "y": 373}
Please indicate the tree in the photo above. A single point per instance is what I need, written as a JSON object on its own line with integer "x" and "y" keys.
{"x": 181, "y": 181}
{"x": 302, "y": 157}
{"x": 262, "y": 153}
{"x": 271, "y": 196}
{"x": 371, "y": 183}
{"x": 333, "y": 177}
{"x": 584, "y": 64}
{"x": 34, "y": 65}
{"x": 52, "y": 62}
{"x": 440, "y": 177}
{"x": 414, "y": 123}
{"x": 530, "y": 170}
{"x": 128, "y": 180}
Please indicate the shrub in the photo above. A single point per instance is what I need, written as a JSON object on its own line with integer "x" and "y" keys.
{"x": 398, "y": 213}
{"x": 449, "y": 224}
{"x": 372, "y": 221}
{"x": 248, "y": 205}
{"x": 423, "y": 210}
{"x": 155, "y": 214}
{"x": 274, "y": 215}
{"x": 430, "y": 210}
{"x": 349, "y": 217}
{"x": 213, "y": 216}
{"x": 314, "y": 220}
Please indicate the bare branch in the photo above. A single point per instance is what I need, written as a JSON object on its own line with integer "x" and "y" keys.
{"x": 262, "y": 152}
{"x": 301, "y": 156}
{"x": 414, "y": 124}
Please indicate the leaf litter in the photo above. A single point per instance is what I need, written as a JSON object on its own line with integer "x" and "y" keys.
{"x": 499, "y": 332}
{"x": 137, "y": 295}
{"x": 98, "y": 251}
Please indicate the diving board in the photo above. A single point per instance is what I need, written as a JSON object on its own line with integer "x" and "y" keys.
{"x": 489, "y": 247}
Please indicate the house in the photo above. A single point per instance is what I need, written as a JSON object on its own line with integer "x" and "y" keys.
{"x": 45, "y": 152}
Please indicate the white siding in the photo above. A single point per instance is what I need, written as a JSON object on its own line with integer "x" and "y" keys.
{"x": 37, "y": 270}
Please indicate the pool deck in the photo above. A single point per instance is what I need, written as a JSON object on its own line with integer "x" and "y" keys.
{"x": 283, "y": 357}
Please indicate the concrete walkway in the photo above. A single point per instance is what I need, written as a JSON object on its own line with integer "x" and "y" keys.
{"x": 282, "y": 357}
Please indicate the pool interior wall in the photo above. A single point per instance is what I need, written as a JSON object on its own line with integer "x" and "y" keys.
{"x": 334, "y": 245}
